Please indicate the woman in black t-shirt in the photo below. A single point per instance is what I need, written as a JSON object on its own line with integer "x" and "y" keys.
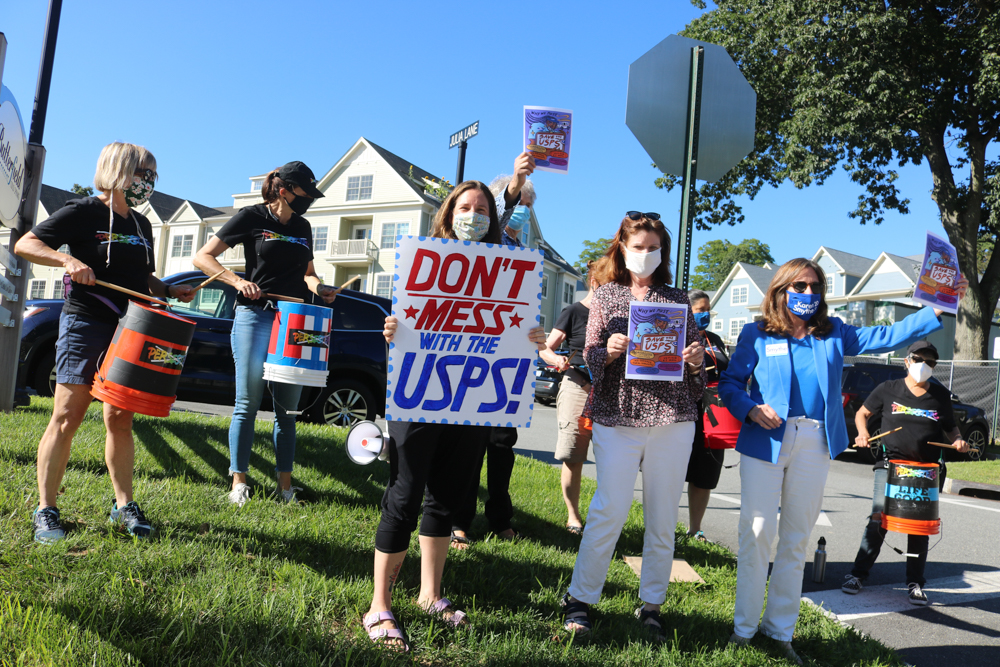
{"x": 107, "y": 241}
{"x": 277, "y": 246}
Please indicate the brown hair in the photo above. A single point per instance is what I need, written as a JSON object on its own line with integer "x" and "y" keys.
{"x": 616, "y": 270}
{"x": 442, "y": 221}
{"x": 272, "y": 187}
{"x": 776, "y": 319}
{"x": 599, "y": 271}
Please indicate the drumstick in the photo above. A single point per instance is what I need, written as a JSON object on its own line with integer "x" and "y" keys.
{"x": 344, "y": 286}
{"x": 211, "y": 278}
{"x": 882, "y": 435}
{"x": 281, "y": 297}
{"x": 941, "y": 444}
{"x": 573, "y": 354}
{"x": 130, "y": 292}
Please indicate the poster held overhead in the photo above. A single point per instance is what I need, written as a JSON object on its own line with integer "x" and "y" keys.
{"x": 547, "y": 133}
{"x": 938, "y": 275}
{"x": 657, "y": 333}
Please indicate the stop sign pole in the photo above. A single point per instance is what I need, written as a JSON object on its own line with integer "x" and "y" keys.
{"x": 690, "y": 167}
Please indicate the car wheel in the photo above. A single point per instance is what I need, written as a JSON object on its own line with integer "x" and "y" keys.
{"x": 344, "y": 403}
{"x": 874, "y": 450}
{"x": 44, "y": 381}
{"x": 977, "y": 439}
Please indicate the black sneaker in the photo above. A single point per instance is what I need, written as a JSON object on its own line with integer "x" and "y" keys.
{"x": 47, "y": 526}
{"x": 132, "y": 518}
{"x": 917, "y": 595}
{"x": 852, "y": 585}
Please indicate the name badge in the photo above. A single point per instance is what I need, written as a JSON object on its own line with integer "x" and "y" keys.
{"x": 776, "y": 349}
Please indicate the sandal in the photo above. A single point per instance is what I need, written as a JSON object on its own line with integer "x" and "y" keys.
{"x": 576, "y": 530}
{"x": 513, "y": 537}
{"x": 650, "y": 619}
{"x": 699, "y": 536}
{"x": 391, "y": 638}
{"x": 446, "y": 610}
{"x": 576, "y": 613}
{"x": 459, "y": 542}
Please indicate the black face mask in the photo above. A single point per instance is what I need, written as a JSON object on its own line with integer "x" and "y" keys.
{"x": 300, "y": 204}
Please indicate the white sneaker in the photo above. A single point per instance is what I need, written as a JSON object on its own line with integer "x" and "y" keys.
{"x": 289, "y": 495}
{"x": 240, "y": 494}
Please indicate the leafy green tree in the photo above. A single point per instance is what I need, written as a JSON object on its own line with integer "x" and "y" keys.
{"x": 717, "y": 258}
{"x": 83, "y": 191}
{"x": 592, "y": 251}
{"x": 870, "y": 86}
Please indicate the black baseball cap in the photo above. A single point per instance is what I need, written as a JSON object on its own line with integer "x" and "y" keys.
{"x": 297, "y": 173}
{"x": 923, "y": 345}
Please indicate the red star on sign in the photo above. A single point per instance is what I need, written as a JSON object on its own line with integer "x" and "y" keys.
{"x": 515, "y": 321}
{"x": 411, "y": 312}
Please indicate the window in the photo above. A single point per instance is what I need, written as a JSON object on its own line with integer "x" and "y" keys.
{"x": 182, "y": 246}
{"x": 383, "y": 285}
{"x": 64, "y": 248}
{"x": 58, "y": 290}
{"x": 256, "y": 184}
{"x": 319, "y": 239}
{"x": 360, "y": 233}
{"x": 739, "y": 295}
{"x": 359, "y": 188}
{"x": 829, "y": 284}
{"x": 568, "y": 293}
{"x": 717, "y": 325}
{"x": 541, "y": 321}
{"x": 390, "y": 230}
{"x": 735, "y": 327}
{"x": 37, "y": 289}
{"x": 545, "y": 285}
{"x": 354, "y": 314}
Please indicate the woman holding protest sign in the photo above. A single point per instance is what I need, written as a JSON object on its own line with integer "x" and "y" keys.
{"x": 430, "y": 463}
{"x": 637, "y": 425}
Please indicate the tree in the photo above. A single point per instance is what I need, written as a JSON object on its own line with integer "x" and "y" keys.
{"x": 83, "y": 191}
{"x": 717, "y": 258}
{"x": 592, "y": 251}
{"x": 869, "y": 86}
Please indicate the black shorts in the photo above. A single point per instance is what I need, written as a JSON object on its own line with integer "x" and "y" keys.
{"x": 705, "y": 465}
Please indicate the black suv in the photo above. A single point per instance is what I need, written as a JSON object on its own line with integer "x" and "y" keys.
{"x": 858, "y": 382}
{"x": 355, "y": 389}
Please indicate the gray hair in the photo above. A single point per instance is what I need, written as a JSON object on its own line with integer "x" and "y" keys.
{"x": 697, "y": 295}
{"x": 500, "y": 183}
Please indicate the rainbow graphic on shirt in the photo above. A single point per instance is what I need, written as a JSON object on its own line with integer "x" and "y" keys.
{"x": 274, "y": 236}
{"x": 898, "y": 409}
{"x": 127, "y": 239}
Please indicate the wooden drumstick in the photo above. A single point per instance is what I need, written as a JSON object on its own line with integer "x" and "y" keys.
{"x": 344, "y": 286}
{"x": 941, "y": 444}
{"x": 281, "y": 297}
{"x": 131, "y": 293}
{"x": 573, "y": 354}
{"x": 880, "y": 435}
{"x": 211, "y": 279}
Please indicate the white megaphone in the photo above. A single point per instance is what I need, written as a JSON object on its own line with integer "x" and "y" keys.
{"x": 366, "y": 442}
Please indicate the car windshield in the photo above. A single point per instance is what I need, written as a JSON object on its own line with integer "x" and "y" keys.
{"x": 214, "y": 300}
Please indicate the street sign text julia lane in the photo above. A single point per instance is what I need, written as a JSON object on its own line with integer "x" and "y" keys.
{"x": 464, "y": 134}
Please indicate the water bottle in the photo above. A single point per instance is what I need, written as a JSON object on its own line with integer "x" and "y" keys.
{"x": 819, "y": 562}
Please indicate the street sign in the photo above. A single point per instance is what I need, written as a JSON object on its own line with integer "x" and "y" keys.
{"x": 13, "y": 147}
{"x": 464, "y": 135}
{"x": 658, "y": 107}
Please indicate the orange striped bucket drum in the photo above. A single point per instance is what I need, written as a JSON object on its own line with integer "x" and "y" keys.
{"x": 143, "y": 364}
{"x": 911, "y": 498}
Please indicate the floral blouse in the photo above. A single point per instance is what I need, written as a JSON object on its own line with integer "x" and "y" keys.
{"x": 615, "y": 401}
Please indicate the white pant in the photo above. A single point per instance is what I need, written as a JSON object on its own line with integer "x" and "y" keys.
{"x": 663, "y": 452}
{"x": 796, "y": 481}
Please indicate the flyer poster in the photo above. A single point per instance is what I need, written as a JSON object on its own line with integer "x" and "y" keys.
{"x": 938, "y": 275}
{"x": 461, "y": 353}
{"x": 547, "y": 137}
{"x": 656, "y": 332}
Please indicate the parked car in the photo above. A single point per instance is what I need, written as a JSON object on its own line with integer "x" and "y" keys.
{"x": 355, "y": 389}
{"x": 547, "y": 381}
{"x": 858, "y": 382}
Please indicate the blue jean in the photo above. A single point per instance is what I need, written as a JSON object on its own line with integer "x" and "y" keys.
{"x": 871, "y": 541}
{"x": 250, "y": 338}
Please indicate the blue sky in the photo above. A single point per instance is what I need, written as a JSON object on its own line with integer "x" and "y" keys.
{"x": 221, "y": 94}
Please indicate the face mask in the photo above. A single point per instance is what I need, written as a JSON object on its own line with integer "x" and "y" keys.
{"x": 138, "y": 192}
{"x": 470, "y": 226}
{"x": 702, "y": 320}
{"x": 642, "y": 264}
{"x": 920, "y": 373}
{"x": 520, "y": 216}
{"x": 300, "y": 204}
{"x": 803, "y": 306}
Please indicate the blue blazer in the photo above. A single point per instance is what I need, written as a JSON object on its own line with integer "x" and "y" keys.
{"x": 764, "y": 361}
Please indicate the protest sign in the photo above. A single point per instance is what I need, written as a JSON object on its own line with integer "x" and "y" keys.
{"x": 547, "y": 137}
{"x": 461, "y": 354}
{"x": 657, "y": 333}
{"x": 938, "y": 275}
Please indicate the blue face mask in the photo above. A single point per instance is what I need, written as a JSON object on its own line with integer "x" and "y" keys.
{"x": 520, "y": 216}
{"x": 702, "y": 320}
{"x": 803, "y": 306}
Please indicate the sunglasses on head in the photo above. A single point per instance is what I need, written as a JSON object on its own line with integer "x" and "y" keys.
{"x": 917, "y": 359}
{"x": 147, "y": 174}
{"x": 636, "y": 215}
{"x": 801, "y": 285}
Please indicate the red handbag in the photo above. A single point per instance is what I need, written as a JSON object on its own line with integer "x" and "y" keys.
{"x": 722, "y": 429}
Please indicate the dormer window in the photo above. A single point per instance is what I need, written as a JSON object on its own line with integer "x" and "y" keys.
{"x": 256, "y": 184}
{"x": 359, "y": 188}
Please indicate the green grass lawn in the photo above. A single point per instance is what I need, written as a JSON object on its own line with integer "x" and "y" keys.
{"x": 982, "y": 472}
{"x": 271, "y": 584}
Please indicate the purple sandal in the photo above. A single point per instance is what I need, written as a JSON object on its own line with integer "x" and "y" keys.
{"x": 380, "y": 635}
{"x": 442, "y": 607}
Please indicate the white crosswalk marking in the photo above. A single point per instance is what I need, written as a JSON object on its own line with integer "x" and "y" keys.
{"x": 822, "y": 520}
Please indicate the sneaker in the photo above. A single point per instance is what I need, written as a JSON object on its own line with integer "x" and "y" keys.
{"x": 790, "y": 654}
{"x": 132, "y": 518}
{"x": 737, "y": 640}
{"x": 852, "y": 586}
{"x": 47, "y": 526}
{"x": 240, "y": 494}
{"x": 917, "y": 595}
{"x": 288, "y": 496}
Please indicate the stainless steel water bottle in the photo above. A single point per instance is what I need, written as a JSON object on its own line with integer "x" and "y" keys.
{"x": 819, "y": 562}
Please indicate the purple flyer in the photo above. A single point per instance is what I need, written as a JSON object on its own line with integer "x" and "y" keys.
{"x": 938, "y": 275}
{"x": 547, "y": 133}
{"x": 657, "y": 333}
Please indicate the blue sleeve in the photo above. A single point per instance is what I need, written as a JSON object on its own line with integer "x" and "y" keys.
{"x": 876, "y": 340}
{"x": 733, "y": 383}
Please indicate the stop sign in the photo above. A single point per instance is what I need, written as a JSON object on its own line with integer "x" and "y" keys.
{"x": 657, "y": 109}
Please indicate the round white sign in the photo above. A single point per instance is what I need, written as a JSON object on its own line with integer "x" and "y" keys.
{"x": 13, "y": 147}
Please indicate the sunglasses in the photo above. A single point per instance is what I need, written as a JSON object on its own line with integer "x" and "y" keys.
{"x": 917, "y": 359}
{"x": 801, "y": 285}
{"x": 147, "y": 174}
{"x": 636, "y": 215}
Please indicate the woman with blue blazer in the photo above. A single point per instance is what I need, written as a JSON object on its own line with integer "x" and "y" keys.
{"x": 783, "y": 382}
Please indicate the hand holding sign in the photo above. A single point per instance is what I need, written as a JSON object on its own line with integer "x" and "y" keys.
{"x": 617, "y": 345}
{"x": 694, "y": 354}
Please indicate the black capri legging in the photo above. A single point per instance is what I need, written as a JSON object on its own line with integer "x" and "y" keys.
{"x": 432, "y": 463}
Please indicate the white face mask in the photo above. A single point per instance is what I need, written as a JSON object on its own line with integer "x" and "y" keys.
{"x": 642, "y": 264}
{"x": 920, "y": 373}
